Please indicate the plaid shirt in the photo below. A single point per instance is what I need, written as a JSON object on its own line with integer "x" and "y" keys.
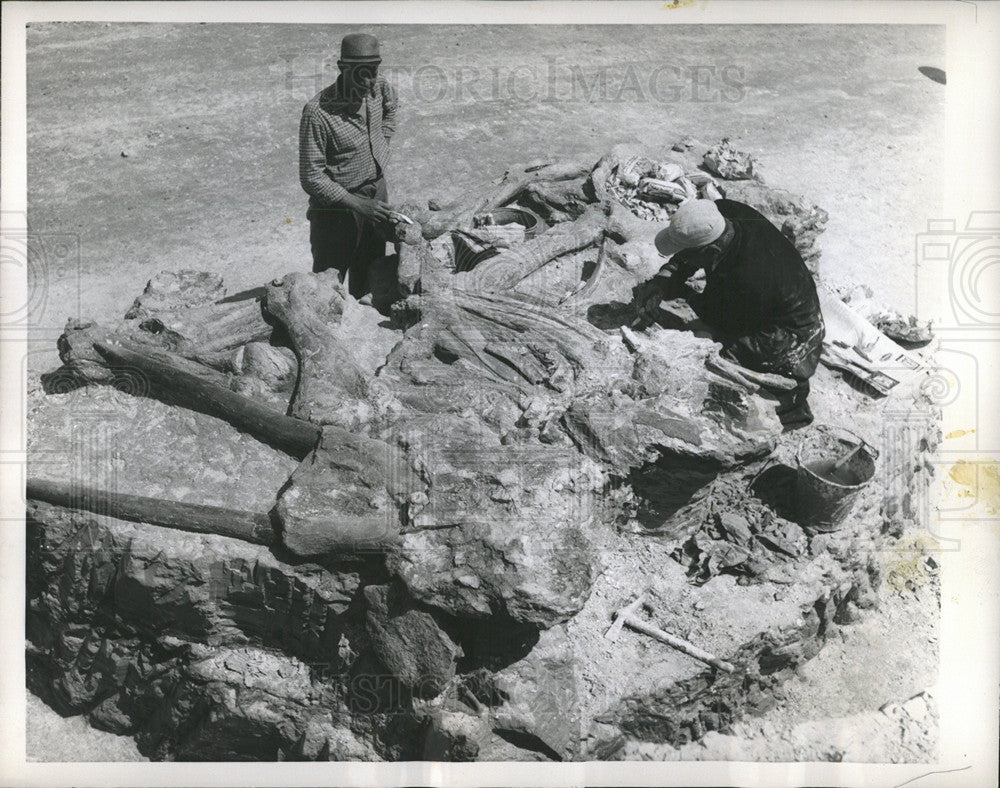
{"x": 339, "y": 150}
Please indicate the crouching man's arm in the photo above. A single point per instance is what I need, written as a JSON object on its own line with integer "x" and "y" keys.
{"x": 666, "y": 284}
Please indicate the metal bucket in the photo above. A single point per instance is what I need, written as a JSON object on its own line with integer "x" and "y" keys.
{"x": 532, "y": 222}
{"x": 468, "y": 254}
{"x": 824, "y": 496}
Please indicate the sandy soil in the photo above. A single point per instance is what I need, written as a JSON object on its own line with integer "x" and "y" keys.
{"x": 54, "y": 739}
{"x": 207, "y": 116}
{"x": 866, "y": 697}
{"x": 165, "y": 147}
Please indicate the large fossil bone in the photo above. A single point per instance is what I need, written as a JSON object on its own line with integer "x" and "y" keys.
{"x": 164, "y": 375}
{"x": 252, "y": 527}
{"x": 459, "y": 213}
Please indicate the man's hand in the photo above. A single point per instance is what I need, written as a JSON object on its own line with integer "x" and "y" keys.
{"x": 648, "y": 298}
{"x": 370, "y": 208}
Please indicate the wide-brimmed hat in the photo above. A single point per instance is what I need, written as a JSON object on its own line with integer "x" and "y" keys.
{"x": 359, "y": 48}
{"x": 695, "y": 223}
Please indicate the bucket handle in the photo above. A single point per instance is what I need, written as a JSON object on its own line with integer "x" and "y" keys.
{"x": 832, "y": 431}
{"x": 770, "y": 461}
{"x": 871, "y": 449}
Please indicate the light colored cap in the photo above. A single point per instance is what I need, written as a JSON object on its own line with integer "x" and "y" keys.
{"x": 695, "y": 223}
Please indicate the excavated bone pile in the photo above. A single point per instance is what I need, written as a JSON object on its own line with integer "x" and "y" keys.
{"x": 447, "y": 501}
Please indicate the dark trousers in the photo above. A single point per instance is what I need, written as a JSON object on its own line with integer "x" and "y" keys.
{"x": 792, "y": 353}
{"x": 793, "y": 406}
{"x": 345, "y": 240}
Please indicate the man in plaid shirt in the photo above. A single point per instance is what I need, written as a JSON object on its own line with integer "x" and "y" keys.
{"x": 343, "y": 149}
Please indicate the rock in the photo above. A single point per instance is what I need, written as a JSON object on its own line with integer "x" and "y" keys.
{"x": 556, "y": 201}
{"x": 518, "y": 546}
{"x": 607, "y": 430}
{"x": 409, "y": 642}
{"x": 426, "y": 267}
{"x": 719, "y": 426}
{"x": 219, "y": 699}
{"x": 402, "y": 232}
{"x": 177, "y": 290}
{"x": 81, "y": 362}
{"x": 201, "y": 646}
{"x": 332, "y": 385}
{"x": 684, "y": 710}
{"x": 187, "y": 586}
{"x": 727, "y": 162}
{"x": 454, "y": 736}
{"x": 677, "y": 314}
{"x": 541, "y": 697}
{"x": 638, "y": 257}
{"x": 265, "y": 371}
{"x": 735, "y": 527}
{"x": 491, "y": 454}
{"x": 275, "y": 366}
{"x": 324, "y": 739}
{"x": 409, "y": 268}
{"x": 346, "y": 496}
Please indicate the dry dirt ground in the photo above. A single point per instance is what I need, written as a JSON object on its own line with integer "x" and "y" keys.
{"x": 164, "y": 147}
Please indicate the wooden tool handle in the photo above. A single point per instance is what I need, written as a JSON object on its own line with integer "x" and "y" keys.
{"x": 681, "y": 645}
{"x": 847, "y": 457}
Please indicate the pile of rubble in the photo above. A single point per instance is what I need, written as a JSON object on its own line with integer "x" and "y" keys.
{"x": 303, "y": 545}
{"x": 654, "y": 190}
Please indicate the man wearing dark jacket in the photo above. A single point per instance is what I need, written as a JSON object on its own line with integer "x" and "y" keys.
{"x": 343, "y": 150}
{"x": 759, "y": 297}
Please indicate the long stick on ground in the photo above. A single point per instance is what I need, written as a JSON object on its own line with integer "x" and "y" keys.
{"x": 681, "y": 645}
{"x": 166, "y": 375}
{"x": 249, "y": 526}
